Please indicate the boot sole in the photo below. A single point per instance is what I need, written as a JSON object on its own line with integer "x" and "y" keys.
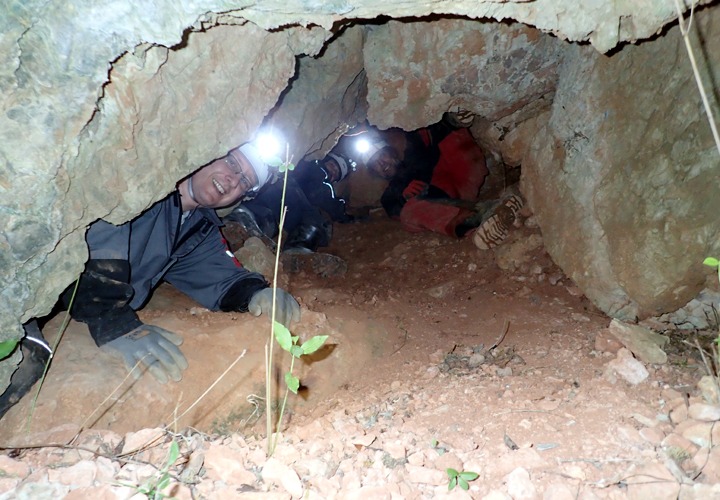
{"x": 493, "y": 231}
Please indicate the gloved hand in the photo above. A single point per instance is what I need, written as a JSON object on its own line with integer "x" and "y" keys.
{"x": 288, "y": 310}
{"x": 415, "y": 188}
{"x": 153, "y": 346}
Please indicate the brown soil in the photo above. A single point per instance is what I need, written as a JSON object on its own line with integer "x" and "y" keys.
{"x": 408, "y": 363}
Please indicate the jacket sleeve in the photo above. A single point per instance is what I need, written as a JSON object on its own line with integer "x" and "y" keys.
{"x": 104, "y": 292}
{"x": 212, "y": 276}
{"x": 323, "y": 197}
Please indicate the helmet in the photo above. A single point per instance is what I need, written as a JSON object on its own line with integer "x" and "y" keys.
{"x": 372, "y": 147}
{"x": 262, "y": 171}
{"x": 342, "y": 162}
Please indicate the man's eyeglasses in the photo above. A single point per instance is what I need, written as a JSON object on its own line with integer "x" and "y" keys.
{"x": 236, "y": 169}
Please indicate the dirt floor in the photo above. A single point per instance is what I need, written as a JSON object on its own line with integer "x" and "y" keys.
{"x": 440, "y": 356}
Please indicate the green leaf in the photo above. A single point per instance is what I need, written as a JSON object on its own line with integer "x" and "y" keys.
{"x": 313, "y": 344}
{"x": 296, "y": 351}
{"x": 163, "y": 483}
{"x": 711, "y": 261}
{"x": 282, "y": 334}
{"x": 452, "y": 483}
{"x": 469, "y": 475}
{"x": 174, "y": 453}
{"x": 292, "y": 382}
{"x": 463, "y": 484}
{"x": 7, "y": 347}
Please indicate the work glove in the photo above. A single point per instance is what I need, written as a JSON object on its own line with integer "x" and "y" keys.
{"x": 288, "y": 310}
{"x": 415, "y": 188}
{"x": 153, "y": 346}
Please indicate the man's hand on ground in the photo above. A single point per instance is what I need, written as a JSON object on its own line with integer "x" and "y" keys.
{"x": 288, "y": 310}
{"x": 153, "y": 346}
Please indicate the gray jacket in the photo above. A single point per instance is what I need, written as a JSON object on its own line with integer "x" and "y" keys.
{"x": 192, "y": 255}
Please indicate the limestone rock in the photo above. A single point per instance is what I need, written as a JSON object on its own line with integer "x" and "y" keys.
{"x": 645, "y": 344}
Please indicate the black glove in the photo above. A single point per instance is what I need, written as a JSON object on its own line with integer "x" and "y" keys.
{"x": 36, "y": 354}
{"x": 153, "y": 346}
{"x": 288, "y": 310}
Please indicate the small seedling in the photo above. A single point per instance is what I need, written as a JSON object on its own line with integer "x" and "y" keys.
{"x": 460, "y": 478}
{"x": 435, "y": 445}
{"x": 153, "y": 488}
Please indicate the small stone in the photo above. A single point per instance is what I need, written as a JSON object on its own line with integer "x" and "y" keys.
{"x": 278, "y": 472}
{"x": 476, "y": 360}
{"x": 79, "y": 475}
{"x": 709, "y": 390}
{"x": 138, "y": 440}
{"x": 606, "y": 342}
{"x": 699, "y": 491}
{"x": 363, "y": 440}
{"x": 580, "y": 318}
{"x": 627, "y": 367}
{"x": 559, "y": 491}
{"x": 652, "y": 435}
{"x": 13, "y": 468}
{"x": 424, "y": 475}
{"x": 227, "y": 465}
{"x": 519, "y": 485}
{"x": 663, "y": 485}
{"x": 645, "y": 344}
{"x": 554, "y": 279}
{"x": 395, "y": 449}
{"x": 711, "y": 467}
{"x": 704, "y": 412}
{"x": 679, "y": 413}
{"x": 574, "y": 291}
{"x": 448, "y": 461}
{"x": 679, "y": 447}
{"x": 700, "y": 434}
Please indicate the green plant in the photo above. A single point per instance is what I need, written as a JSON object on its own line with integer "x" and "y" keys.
{"x": 435, "y": 445}
{"x": 290, "y": 343}
{"x": 460, "y": 478}
{"x": 713, "y": 262}
{"x": 284, "y": 338}
{"x": 153, "y": 488}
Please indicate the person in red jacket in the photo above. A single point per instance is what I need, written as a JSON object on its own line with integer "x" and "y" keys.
{"x": 434, "y": 181}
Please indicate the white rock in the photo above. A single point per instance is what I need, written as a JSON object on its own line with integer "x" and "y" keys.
{"x": 278, "y": 472}
{"x": 704, "y": 412}
{"x": 519, "y": 485}
{"x": 627, "y": 367}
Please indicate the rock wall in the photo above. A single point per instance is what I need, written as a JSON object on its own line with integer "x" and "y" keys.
{"x": 418, "y": 70}
{"x": 623, "y": 177}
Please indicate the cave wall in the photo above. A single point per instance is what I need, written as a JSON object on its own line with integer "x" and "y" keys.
{"x": 623, "y": 175}
{"x": 107, "y": 103}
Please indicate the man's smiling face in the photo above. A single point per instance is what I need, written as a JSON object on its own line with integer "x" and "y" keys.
{"x": 224, "y": 181}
